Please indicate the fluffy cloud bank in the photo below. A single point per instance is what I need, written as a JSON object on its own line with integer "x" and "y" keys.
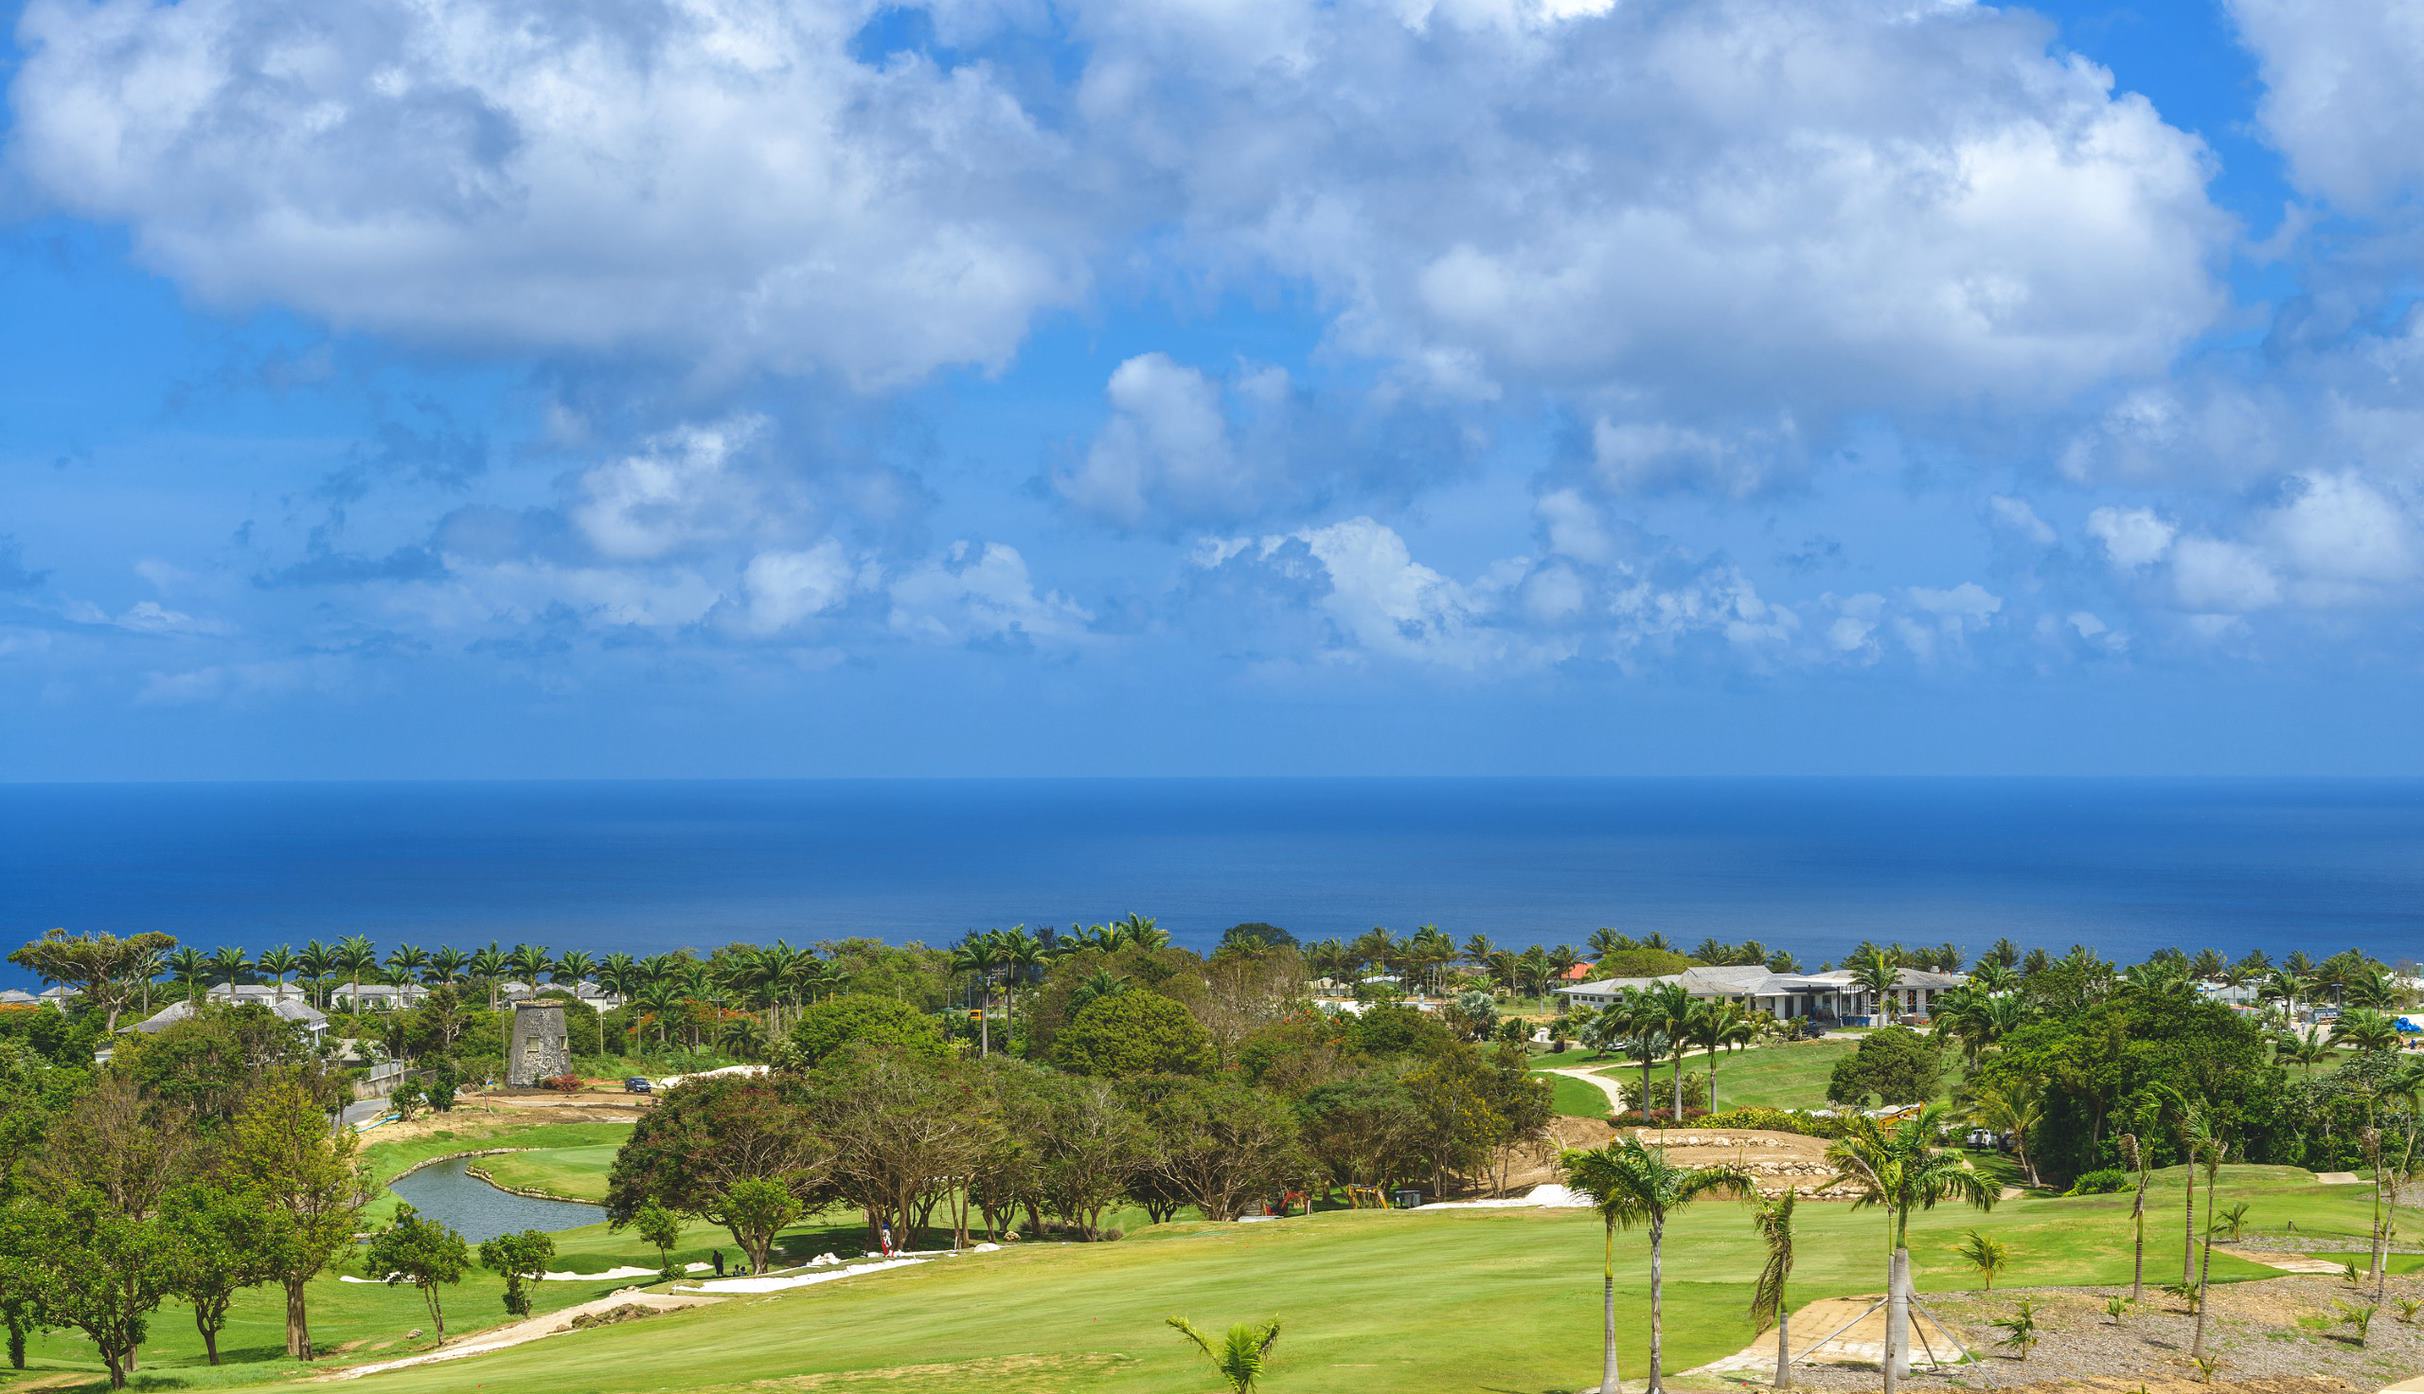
{"x": 1663, "y": 212}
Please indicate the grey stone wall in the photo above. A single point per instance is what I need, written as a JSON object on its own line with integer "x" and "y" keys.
{"x": 538, "y": 1048}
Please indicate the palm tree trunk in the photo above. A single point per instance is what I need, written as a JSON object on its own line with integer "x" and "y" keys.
{"x": 2137, "y": 1225}
{"x": 2188, "y": 1228}
{"x": 1784, "y": 1346}
{"x": 1607, "y": 1317}
{"x": 1712, "y": 1079}
{"x": 1657, "y": 1283}
{"x": 2196, "y": 1347}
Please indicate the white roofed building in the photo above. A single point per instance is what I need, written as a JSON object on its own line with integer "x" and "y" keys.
{"x": 1828, "y": 996}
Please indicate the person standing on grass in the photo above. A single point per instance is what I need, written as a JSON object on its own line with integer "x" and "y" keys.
{"x": 887, "y": 1239}
{"x": 719, "y": 1263}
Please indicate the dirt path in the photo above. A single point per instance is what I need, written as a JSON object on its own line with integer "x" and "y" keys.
{"x": 527, "y": 1330}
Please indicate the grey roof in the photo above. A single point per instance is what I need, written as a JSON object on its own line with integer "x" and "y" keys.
{"x": 1752, "y": 980}
{"x": 17, "y": 997}
{"x": 293, "y": 1009}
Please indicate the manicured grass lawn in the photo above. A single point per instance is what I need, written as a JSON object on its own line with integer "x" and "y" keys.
{"x": 1366, "y": 1297}
{"x": 1788, "y": 1074}
{"x": 1577, "y": 1098}
{"x": 573, "y": 1173}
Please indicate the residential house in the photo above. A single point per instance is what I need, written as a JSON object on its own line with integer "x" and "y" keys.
{"x": 1829, "y": 997}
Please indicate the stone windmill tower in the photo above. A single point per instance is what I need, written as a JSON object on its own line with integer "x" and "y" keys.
{"x": 538, "y": 1049}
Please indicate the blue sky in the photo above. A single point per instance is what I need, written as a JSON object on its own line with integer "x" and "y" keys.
{"x": 480, "y": 388}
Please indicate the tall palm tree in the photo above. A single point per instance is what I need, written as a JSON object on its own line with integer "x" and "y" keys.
{"x": 572, "y": 968}
{"x": 405, "y": 963}
{"x": 1903, "y": 1168}
{"x": 531, "y": 961}
{"x": 1022, "y": 957}
{"x": 278, "y": 963}
{"x": 1630, "y": 1184}
{"x": 1772, "y": 1216}
{"x": 1143, "y": 933}
{"x": 2014, "y": 1107}
{"x": 314, "y": 962}
{"x": 189, "y": 966}
{"x": 1563, "y": 960}
{"x": 1673, "y": 1007}
{"x": 1722, "y": 1026}
{"x": 357, "y": 958}
{"x": 1241, "y": 1356}
{"x": 485, "y": 967}
{"x": 975, "y": 957}
{"x": 446, "y": 964}
{"x": 2134, "y": 1155}
{"x": 2285, "y": 986}
{"x": 619, "y": 973}
{"x": 1875, "y": 971}
{"x": 1477, "y": 950}
{"x": 2206, "y": 1149}
{"x": 229, "y": 966}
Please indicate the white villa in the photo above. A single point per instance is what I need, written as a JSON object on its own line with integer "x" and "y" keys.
{"x": 1829, "y": 996}
{"x": 291, "y": 1006}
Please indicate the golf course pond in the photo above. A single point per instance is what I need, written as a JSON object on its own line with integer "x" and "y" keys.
{"x": 447, "y": 1192}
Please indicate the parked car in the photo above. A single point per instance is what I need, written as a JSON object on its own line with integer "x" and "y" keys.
{"x": 638, "y": 1084}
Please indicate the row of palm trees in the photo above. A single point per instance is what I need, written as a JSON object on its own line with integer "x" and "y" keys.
{"x": 1664, "y": 1022}
{"x": 1901, "y": 1168}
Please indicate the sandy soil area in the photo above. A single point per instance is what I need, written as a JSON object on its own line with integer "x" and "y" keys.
{"x": 2283, "y": 1336}
{"x": 481, "y": 1113}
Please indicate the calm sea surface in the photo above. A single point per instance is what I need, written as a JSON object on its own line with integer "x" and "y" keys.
{"x": 2122, "y": 865}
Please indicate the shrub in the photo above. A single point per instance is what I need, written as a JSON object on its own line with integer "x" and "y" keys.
{"x": 2101, "y": 1182}
{"x": 1894, "y": 1064}
{"x": 1774, "y": 1120}
{"x": 566, "y": 1083}
{"x": 1662, "y": 1092}
{"x": 863, "y": 1017}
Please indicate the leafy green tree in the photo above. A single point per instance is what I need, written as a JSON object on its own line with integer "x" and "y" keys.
{"x": 217, "y": 1247}
{"x": 660, "y": 1229}
{"x": 2099, "y": 1068}
{"x": 91, "y": 1265}
{"x": 710, "y": 1147}
{"x": 1893, "y": 1064}
{"x": 522, "y": 1260}
{"x": 425, "y": 1253}
{"x": 861, "y": 1018}
{"x": 1133, "y": 1034}
{"x": 1218, "y": 1144}
{"x": 282, "y": 1148}
{"x": 756, "y": 1210}
{"x": 1631, "y": 1184}
{"x": 103, "y": 969}
{"x": 1901, "y": 1169}
{"x": 1772, "y": 1216}
{"x": 1240, "y": 1357}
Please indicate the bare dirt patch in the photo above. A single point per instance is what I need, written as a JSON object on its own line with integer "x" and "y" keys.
{"x": 484, "y": 1113}
{"x": 2279, "y": 1336}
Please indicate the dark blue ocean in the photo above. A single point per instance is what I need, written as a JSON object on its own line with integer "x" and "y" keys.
{"x": 1814, "y": 864}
